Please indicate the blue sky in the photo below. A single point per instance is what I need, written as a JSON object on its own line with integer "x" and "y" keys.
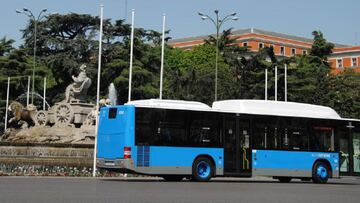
{"x": 336, "y": 19}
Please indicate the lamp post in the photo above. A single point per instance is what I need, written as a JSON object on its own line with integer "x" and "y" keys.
{"x": 218, "y": 22}
{"x": 29, "y": 14}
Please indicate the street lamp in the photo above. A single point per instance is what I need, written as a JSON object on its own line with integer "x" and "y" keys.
{"x": 29, "y": 14}
{"x": 218, "y": 22}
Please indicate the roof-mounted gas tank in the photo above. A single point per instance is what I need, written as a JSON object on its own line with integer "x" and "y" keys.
{"x": 278, "y": 108}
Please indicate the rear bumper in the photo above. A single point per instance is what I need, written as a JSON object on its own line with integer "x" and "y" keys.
{"x": 115, "y": 164}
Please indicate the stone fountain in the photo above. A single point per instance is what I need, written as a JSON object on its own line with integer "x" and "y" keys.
{"x": 62, "y": 136}
{"x": 69, "y": 121}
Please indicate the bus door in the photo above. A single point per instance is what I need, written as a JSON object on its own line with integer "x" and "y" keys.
{"x": 237, "y": 153}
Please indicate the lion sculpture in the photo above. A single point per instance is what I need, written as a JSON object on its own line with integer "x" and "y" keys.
{"x": 22, "y": 116}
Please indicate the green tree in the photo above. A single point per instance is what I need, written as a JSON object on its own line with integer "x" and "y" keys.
{"x": 6, "y": 46}
{"x": 225, "y": 40}
{"x": 320, "y": 47}
{"x": 309, "y": 75}
{"x": 344, "y": 94}
{"x": 190, "y": 74}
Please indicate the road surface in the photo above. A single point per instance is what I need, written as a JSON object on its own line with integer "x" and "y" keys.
{"x": 67, "y": 189}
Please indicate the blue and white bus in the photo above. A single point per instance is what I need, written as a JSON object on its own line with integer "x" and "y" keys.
{"x": 233, "y": 138}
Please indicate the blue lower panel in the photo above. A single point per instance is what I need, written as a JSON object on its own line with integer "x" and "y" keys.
{"x": 181, "y": 156}
{"x": 290, "y": 163}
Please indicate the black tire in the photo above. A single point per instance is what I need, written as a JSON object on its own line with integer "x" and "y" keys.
{"x": 173, "y": 178}
{"x": 202, "y": 169}
{"x": 284, "y": 179}
{"x": 320, "y": 173}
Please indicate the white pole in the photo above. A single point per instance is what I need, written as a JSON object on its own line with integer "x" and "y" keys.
{"x": 275, "y": 83}
{"x": 266, "y": 84}
{"x": 131, "y": 52}
{"x": 44, "y": 96}
{"x": 285, "y": 82}
{"x": 7, "y": 103}
{"x": 162, "y": 57}
{"x": 28, "y": 91}
{"x": 98, "y": 88}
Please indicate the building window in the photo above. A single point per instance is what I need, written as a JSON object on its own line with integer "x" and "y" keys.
{"x": 354, "y": 62}
{"x": 282, "y": 51}
{"x": 293, "y": 52}
{"x": 245, "y": 44}
{"x": 304, "y": 52}
{"x": 261, "y": 45}
{"x": 339, "y": 63}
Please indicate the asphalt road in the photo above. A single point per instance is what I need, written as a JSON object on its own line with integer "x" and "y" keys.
{"x": 55, "y": 189}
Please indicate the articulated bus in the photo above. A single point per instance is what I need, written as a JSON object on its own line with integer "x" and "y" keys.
{"x": 234, "y": 138}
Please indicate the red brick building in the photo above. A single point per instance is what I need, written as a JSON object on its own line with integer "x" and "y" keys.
{"x": 284, "y": 45}
{"x": 345, "y": 57}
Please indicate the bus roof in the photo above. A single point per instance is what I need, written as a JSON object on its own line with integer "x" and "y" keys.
{"x": 259, "y": 107}
{"x": 278, "y": 108}
{"x": 170, "y": 104}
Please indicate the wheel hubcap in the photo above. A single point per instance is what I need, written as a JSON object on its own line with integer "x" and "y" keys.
{"x": 203, "y": 169}
{"x": 322, "y": 172}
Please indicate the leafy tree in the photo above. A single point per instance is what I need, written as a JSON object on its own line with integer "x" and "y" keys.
{"x": 310, "y": 74}
{"x": 320, "y": 47}
{"x": 6, "y": 46}
{"x": 190, "y": 75}
{"x": 16, "y": 64}
{"x": 344, "y": 94}
{"x": 67, "y": 41}
{"x": 225, "y": 40}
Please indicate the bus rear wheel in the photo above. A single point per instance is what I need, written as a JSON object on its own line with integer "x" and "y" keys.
{"x": 320, "y": 173}
{"x": 202, "y": 169}
{"x": 173, "y": 178}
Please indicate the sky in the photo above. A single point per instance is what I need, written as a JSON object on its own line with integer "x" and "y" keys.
{"x": 336, "y": 19}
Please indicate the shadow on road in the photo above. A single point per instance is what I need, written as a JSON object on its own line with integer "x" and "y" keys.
{"x": 240, "y": 181}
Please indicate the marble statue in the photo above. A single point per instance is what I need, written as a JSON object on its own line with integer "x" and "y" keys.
{"x": 78, "y": 89}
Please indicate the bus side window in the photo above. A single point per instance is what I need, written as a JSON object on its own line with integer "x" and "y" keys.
{"x": 266, "y": 133}
{"x": 260, "y": 136}
{"x": 322, "y": 139}
{"x": 204, "y": 132}
{"x": 294, "y": 136}
{"x": 171, "y": 134}
{"x": 144, "y": 127}
{"x": 171, "y": 128}
{"x": 285, "y": 139}
{"x": 299, "y": 140}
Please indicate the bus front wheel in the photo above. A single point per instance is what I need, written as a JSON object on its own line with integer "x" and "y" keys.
{"x": 320, "y": 173}
{"x": 202, "y": 169}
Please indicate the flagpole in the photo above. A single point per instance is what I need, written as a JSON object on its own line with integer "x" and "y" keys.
{"x": 285, "y": 82}
{"x": 131, "y": 52}
{"x": 266, "y": 84}
{"x": 7, "y": 103}
{"x": 28, "y": 91}
{"x": 162, "y": 57}
{"x": 98, "y": 88}
{"x": 44, "y": 94}
{"x": 275, "y": 83}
